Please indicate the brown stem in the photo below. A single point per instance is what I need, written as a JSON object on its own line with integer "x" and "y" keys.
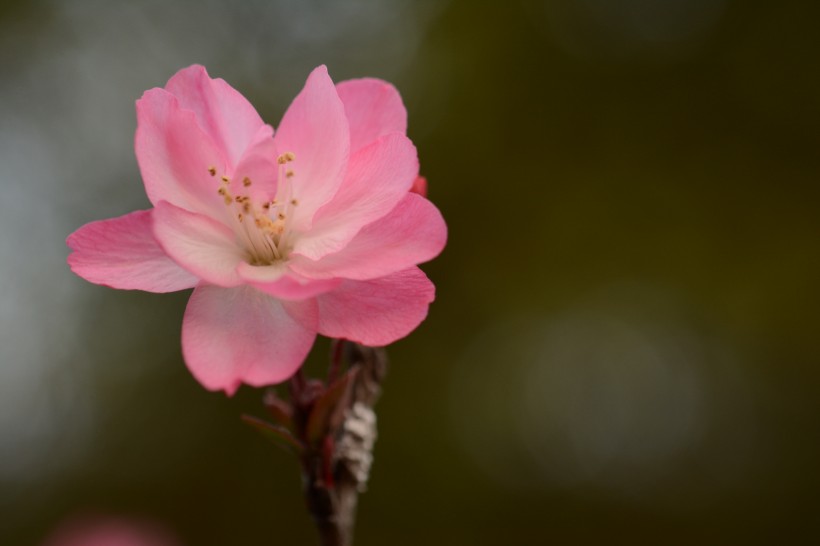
{"x": 334, "y": 511}
{"x": 335, "y": 474}
{"x": 336, "y": 355}
{"x": 297, "y": 383}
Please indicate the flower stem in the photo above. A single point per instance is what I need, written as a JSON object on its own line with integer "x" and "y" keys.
{"x": 334, "y": 512}
{"x": 335, "y": 472}
{"x": 337, "y": 349}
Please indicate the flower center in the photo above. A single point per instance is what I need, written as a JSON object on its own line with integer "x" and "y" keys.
{"x": 262, "y": 228}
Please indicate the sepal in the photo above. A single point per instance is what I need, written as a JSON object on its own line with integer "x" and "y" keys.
{"x": 277, "y": 434}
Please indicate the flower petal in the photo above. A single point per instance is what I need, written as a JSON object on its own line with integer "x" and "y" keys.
{"x": 261, "y": 273}
{"x": 378, "y": 311}
{"x": 374, "y": 108}
{"x": 239, "y": 335}
{"x": 412, "y": 233}
{"x": 378, "y": 177}
{"x": 315, "y": 130}
{"x": 175, "y": 155}
{"x": 256, "y": 173}
{"x": 201, "y": 245}
{"x": 221, "y": 111}
{"x": 277, "y": 281}
{"x": 122, "y": 253}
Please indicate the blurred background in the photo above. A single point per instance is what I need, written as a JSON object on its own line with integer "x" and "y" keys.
{"x": 625, "y": 344}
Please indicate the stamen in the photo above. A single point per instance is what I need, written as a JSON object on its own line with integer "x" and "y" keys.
{"x": 226, "y": 195}
{"x": 285, "y": 158}
{"x": 262, "y": 227}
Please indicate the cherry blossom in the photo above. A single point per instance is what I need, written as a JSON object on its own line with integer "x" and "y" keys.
{"x": 313, "y": 229}
{"x": 108, "y": 531}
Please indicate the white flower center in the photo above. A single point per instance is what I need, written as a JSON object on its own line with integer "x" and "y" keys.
{"x": 262, "y": 228}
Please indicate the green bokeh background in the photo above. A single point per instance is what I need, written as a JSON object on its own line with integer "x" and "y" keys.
{"x": 624, "y": 347}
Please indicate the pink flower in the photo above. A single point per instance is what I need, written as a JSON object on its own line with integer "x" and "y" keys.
{"x": 311, "y": 230}
{"x": 108, "y": 532}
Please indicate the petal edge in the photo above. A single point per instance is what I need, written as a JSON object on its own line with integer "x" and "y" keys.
{"x": 239, "y": 335}
{"x": 123, "y": 253}
{"x": 379, "y": 311}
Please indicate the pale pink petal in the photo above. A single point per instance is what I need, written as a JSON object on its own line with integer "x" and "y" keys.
{"x": 276, "y": 280}
{"x": 374, "y": 108}
{"x": 412, "y": 233}
{"x": 315, "y": 130}
{"x": 378, "y": 311}
{"x": 122, "y": 253}
{"x": 261, "y": 273}
{"x": 239, "y": 335}
{"x": 256, "y": 173}
{"x": 175, "y": 155}
{"x": 201, "y": 245}
{"x": 305, "y": 312}
{"x": 221, "y": 111}
{"x": 379, "y": 176}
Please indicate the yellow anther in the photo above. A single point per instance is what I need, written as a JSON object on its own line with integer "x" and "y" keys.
{"x": 285, "y": 157}
{"x": 281, "y": 216}
{"x": 226, "y": 195}
{"x": 225, "y": 179}
{"x": 263, "y": 221}
{"x": 289, "y": 173}
{"x": 240, "y": 217}
{"x": 269, "y": 226}
{"x": 246, "y": 181}
{"x": 212, "y": 170}
{"x": 246, "y": 206}
{"x": 294, "y": 202}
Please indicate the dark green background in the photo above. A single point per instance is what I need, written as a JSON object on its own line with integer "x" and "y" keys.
{"x": 624, "y": 347}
